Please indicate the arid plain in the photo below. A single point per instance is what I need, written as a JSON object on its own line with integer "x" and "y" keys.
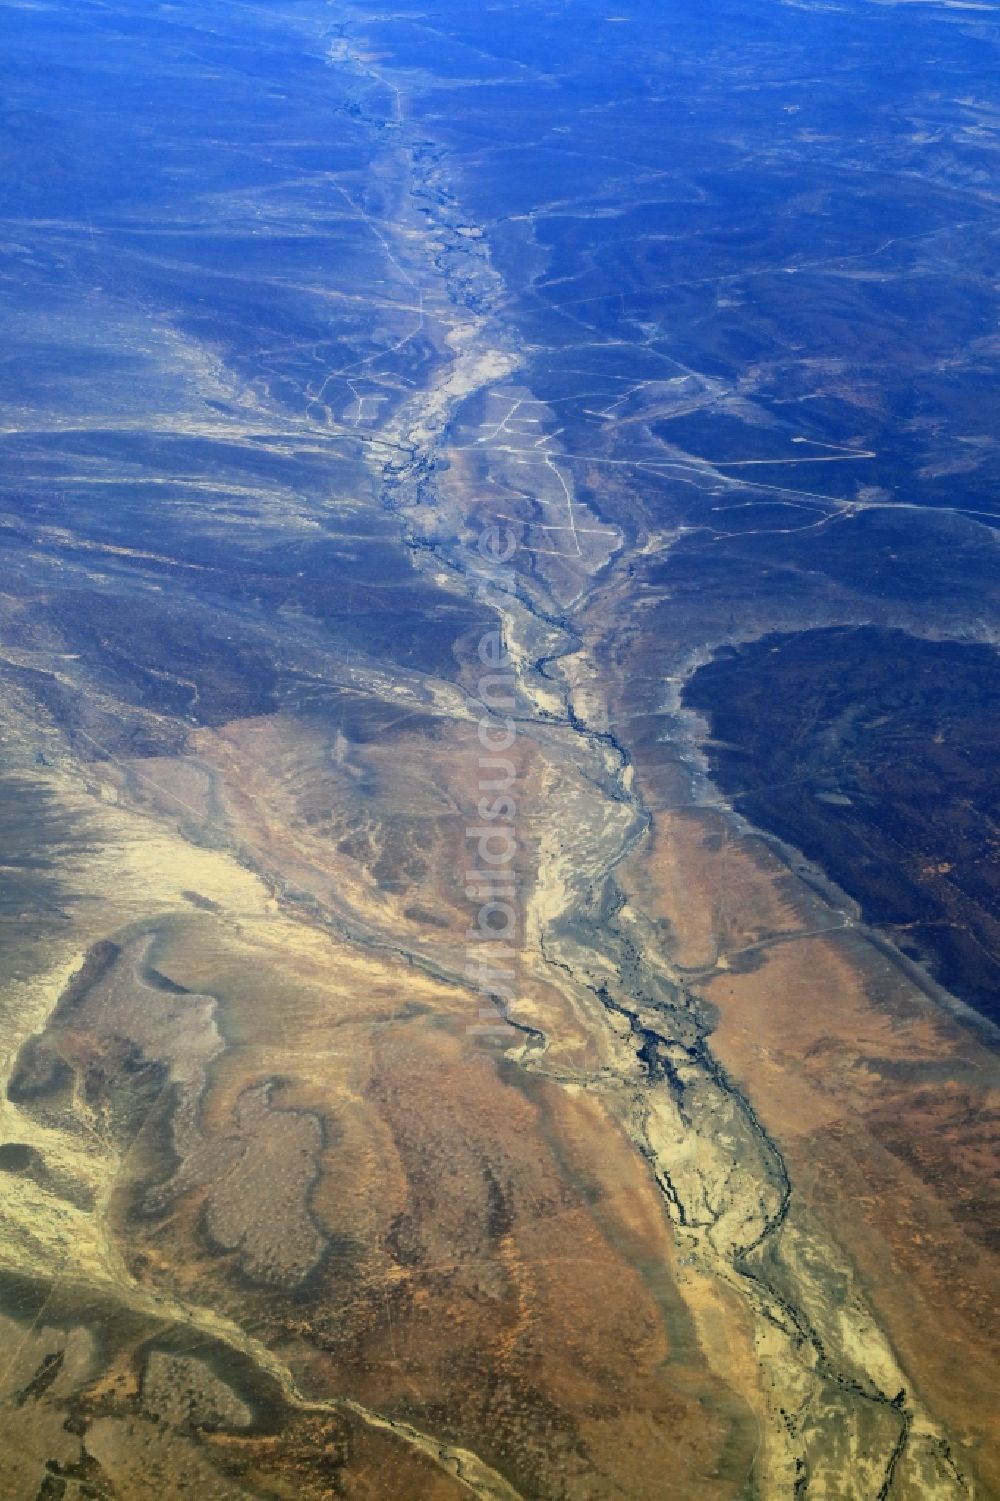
{"x": 321, "y": 375}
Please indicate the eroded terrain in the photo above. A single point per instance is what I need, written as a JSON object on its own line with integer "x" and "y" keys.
{"x": 311, "y": 300}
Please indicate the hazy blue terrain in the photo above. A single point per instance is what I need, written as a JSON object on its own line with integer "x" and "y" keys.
{"x": 699, "y": 305}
